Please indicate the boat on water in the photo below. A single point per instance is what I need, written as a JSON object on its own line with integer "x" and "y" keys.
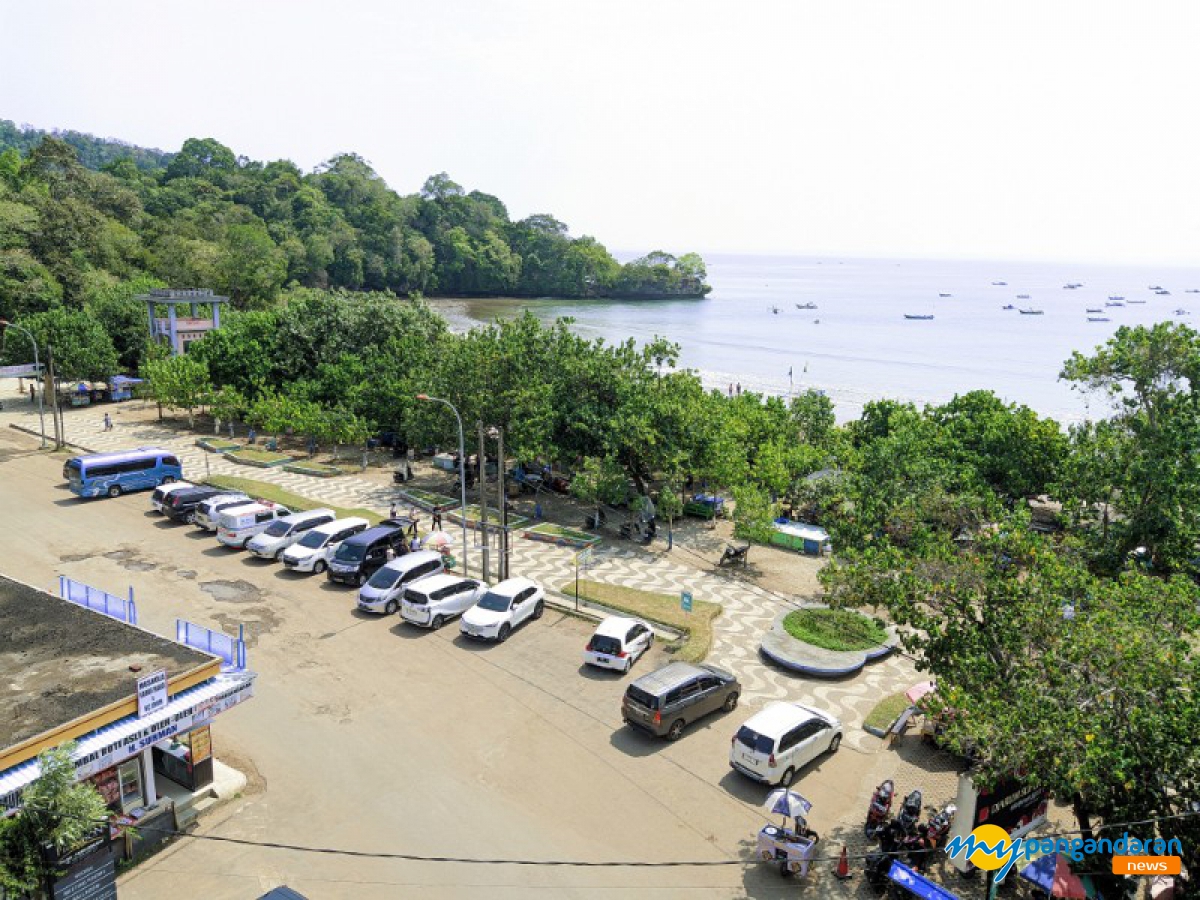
{"x": 999, "y": 283}
{"x": 1132, "y": 302}
{"x": 1162, "y": 293}
{"x": 1182, "y": 312}
{"x": 1008, "y": 306}
{"x": 775, "y": 309}
{"x": 919, "y": 317}
{"x": 1072, "y": 285}
{"x": 806, "y": 306}
{"x": 945, "y": 295}
{"x": 1095, "y": 309}
{"x": 1114, "y": 303}
{"x": 1154, "y": 287}
{"x": 1099, "y": 319}
{"x": 1022, "y": 296}
{"x": 1116, "y": 298}
{"x": 1033, "y": 312}
{"x": 1192, "y": 291}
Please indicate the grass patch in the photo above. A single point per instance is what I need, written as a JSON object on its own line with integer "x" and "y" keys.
{"x": 835, "y": 629}
{"x": 886, "y": 712}
{"x": 475, "y": 514}
{"x": 309, "y": 468}
{"x": 563, "y": 531}
{"x": 429, "y": 498}
{"x": 661, "y": 608}
{"x": 258, "y": 457}
{"x": 276, "y": 494}
{"x": 217, "y": 445}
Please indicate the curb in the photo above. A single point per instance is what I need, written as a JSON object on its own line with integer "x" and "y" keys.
{"x": 38, "y": 434}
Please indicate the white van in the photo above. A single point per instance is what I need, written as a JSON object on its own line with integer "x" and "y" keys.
{"x": 282, "y": 533}
{"x": 240, "y": 523}
{"x": 431, "y": 601}
{"x": 314, "y": 550}
{"x": 383, "y": 590}
{"x": 163, "y": 491}
{"x": 206, "y": 513}
{"x": 780, "y": 740}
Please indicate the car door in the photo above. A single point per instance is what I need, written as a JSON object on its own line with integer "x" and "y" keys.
{"x": 373, "y": 560}
{"x": 637, "y": 641}
{"x": 806, "y": 746}
{"x": 710, "y": 694}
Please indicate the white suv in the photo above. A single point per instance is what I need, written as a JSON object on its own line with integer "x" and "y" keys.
{"x": 502, "y": 609}
{"x": 618, "y": 643}
{"x": 432, "y": 601}
{"x": 313, "y": 551}
{"x": 282, "y": 533}
{"x": 781, "y": 739}
{"x": 210, "y": 510}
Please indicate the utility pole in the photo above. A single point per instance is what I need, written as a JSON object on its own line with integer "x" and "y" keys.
{"x": 503, "y": 566}
{"x": 55, "y": 415}
{"x": 483, "y": 532}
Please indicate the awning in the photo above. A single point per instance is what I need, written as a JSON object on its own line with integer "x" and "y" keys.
{"x": 918, "y": 885}
{"x": 118, "y": 380}
{"x": 131, "y": 735}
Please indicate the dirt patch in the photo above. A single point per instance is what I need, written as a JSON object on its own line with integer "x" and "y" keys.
{"x": 186, "y": 573}
{"x": 239, "y": 591}
{"x": 258, "y": 620}
{"x": 129, "y": 560}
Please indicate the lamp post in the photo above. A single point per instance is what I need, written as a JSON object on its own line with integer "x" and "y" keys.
{"x": 5, "y": 325}
{"x": 462, "y": 469}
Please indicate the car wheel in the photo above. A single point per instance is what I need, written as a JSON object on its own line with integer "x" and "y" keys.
{"x": 319, "y": 566}
{"x": 789, "y": 775}
{"x": 437, "y": 623}
{"x": 167, "y": 479}
{"x": 190, "y": 518}
{"x": 835, "y": 743}
{"x": 539, "y": 609}
{"x": 676, "y": 730}
{"x": 278, "y": 555}
{"x": 731, "y": 702}
{"x": 114, "y": 491}
{"x": 362, "y": 579}
{"x": 628, "y": 665}
{"x": 505, "y": 631}
{"x": 390, "y": 608}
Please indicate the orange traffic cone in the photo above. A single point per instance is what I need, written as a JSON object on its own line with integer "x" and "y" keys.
{"x": 843, "y": 867}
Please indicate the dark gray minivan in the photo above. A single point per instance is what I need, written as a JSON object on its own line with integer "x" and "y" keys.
{"x": 667, "y": 700}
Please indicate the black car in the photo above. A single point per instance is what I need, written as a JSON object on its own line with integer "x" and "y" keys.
{"x": 360, "y": 555}
{"x": 181, "y": 505}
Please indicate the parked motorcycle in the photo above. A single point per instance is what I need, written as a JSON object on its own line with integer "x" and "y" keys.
{"x": 929, "y": 839}
{"x": 880, "y": 809}
{"x": 910, "y": 813}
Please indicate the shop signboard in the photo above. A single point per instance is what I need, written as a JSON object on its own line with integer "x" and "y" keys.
{"x": 1015, "y": 806}
{"x": 201, "y": 744}
{"x": 152, "y": 693}
{"x": 29, "y": 370}
{"x": 88, "y": 871}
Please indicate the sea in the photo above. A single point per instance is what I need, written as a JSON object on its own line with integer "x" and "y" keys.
{"x": 784, "y": 324}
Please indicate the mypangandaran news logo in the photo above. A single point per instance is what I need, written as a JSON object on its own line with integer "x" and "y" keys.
{"x": 990, "y": 848}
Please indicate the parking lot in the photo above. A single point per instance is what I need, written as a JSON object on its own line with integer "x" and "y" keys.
{"x": 370, "y": 735}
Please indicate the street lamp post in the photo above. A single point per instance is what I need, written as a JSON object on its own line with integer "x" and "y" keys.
{"x": 5, "y": 325}
{"x": 462, "y": 469}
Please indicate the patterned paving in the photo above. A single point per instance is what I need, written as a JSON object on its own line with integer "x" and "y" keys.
{"x": 748, "y": 611}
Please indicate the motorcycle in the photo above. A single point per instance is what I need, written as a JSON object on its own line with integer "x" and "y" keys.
{"x": 910, "y": 813}
{"x": 929, "y": 839}
{"x": 880, "y": 809}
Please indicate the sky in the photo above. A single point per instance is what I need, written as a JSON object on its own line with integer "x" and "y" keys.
{"x": 991, "y": 130}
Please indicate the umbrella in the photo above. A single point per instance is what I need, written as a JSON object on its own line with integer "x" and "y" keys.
{"x": 1054, "y": 876}
{"x": 787, "y": 803}
{"x": 917, "y": 691}
{"x": 438, "y": 539}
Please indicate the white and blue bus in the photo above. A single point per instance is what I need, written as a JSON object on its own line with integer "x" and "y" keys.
{"x": 113, "y": 474}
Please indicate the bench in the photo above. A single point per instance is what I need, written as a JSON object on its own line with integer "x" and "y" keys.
{"x": 901, "y": 724}
{"x": 734, "y": 554}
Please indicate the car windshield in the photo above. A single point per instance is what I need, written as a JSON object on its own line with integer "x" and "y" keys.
{"x": 350, "y": 553}
{"x": 755, "y": 741}
{"x": 277, "y": 529}
{"x": 602, "y": 643}
{"x": 495, "y": 602}
{"x": 384, "y": 578}
{"x": 314, "y": 540}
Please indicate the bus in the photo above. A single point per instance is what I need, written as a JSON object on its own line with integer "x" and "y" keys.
{"x": 112, "y": 474}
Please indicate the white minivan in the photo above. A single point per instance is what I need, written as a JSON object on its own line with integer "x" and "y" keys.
{"x": 282, "y": 533}
{"x": 209, "y": 511}
{"x": 238, "y": 524}
{"x": 384, "y": 589}
{"x": 432, "y": 601}
{"x": 781, "y": 739}
{"x": 313, "y": 551}
{"x": 163, "y": 491}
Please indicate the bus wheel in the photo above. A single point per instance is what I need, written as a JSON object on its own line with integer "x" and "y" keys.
{"x": 114, "y": 491}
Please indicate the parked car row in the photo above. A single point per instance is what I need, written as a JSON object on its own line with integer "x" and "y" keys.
{"x": 773, "y": 746}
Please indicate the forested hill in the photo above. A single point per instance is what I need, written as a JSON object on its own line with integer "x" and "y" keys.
{"x": 78, "y": 213}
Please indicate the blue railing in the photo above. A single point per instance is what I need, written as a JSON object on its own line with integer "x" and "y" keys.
{"x": 231, "y": 650}
{"x": 121, "y": 608}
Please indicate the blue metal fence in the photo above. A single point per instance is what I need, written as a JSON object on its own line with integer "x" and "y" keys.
{"x": 231, "y": 650}
{"x": 122, "y": 608}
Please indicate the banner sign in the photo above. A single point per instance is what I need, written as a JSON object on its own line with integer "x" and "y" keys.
{"x": 152, "y": 693}
{"x": 29, "y": 370}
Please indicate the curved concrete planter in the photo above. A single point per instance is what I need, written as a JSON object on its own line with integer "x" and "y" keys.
{"x": 785, "y": 651}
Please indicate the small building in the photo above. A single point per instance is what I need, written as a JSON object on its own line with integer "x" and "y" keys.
{"x": 203, "y": 306}
{"x": 138, "y": 706}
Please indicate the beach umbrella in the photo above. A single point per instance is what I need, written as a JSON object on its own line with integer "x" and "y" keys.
{"x": 787, "y": 803}
{"x": 438, "y": 539}
{"x": 1054, "y": 876}
{"x": 917, "y": 691}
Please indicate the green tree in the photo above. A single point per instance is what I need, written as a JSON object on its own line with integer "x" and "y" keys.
{"x": 179, "y": 382}
{"x": 82, "y": 348}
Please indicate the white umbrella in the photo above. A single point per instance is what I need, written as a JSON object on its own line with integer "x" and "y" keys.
{"x": 438, "y": 540}
{"x": 788, "y": 803}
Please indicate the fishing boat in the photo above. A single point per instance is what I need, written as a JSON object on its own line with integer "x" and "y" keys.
{"x": 1163, "y": 293}
{"x": 1072, "y": 286}
{"x": 1154, "y": 287}
{"x": 1022, "y": 296}
{"x": 1099, "y": 319}
{"x": 1033, "y": 312}
{"x": 918, "y": 317}
{"x": 1192, "y": 291}
{"x": 1116, "y": 298}
{"x": 945, "y": 295}
{"x": 1132, "y": 302}
{"x": 1114, "y": 303}
{"x": 1008, "y": 306}
{"x": 775, "y": 309}
{"x": 1095, "y": 309}
{"x": 1182, "y": 312}
{"x": 999, "y": 283}
{"x": 806, "y": 306}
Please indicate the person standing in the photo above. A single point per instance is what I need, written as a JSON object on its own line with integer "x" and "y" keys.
{"x": 32, "y": 393}
{"x": 107, "y": 422}
{"x": 393, "y": 511}
{"x": 437, "y": 520}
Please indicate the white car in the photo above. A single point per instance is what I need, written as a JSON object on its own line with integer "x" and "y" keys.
{"x": 502, "y": 609}
{"x": 618, "y": 643}
{"x": 781, "y": 739}
{"x": 384, "y": 589}
{"x": 434, "y": 600}
{"x": 313, "y": 551}
{"x": 210, "y": 510}
{"x": 238, "y": 524}
{"x": 163, "y": 491}
{"x": 282, "y": 533}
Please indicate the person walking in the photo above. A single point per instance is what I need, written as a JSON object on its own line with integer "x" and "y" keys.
{"x": 107, "y": 422}
{"x": 32, "y": 394}
{"x": 393, "y": 511}
{"x": 437, "y": 520}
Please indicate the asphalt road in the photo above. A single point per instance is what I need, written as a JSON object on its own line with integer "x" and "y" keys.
{"x": 368, "y": 735}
